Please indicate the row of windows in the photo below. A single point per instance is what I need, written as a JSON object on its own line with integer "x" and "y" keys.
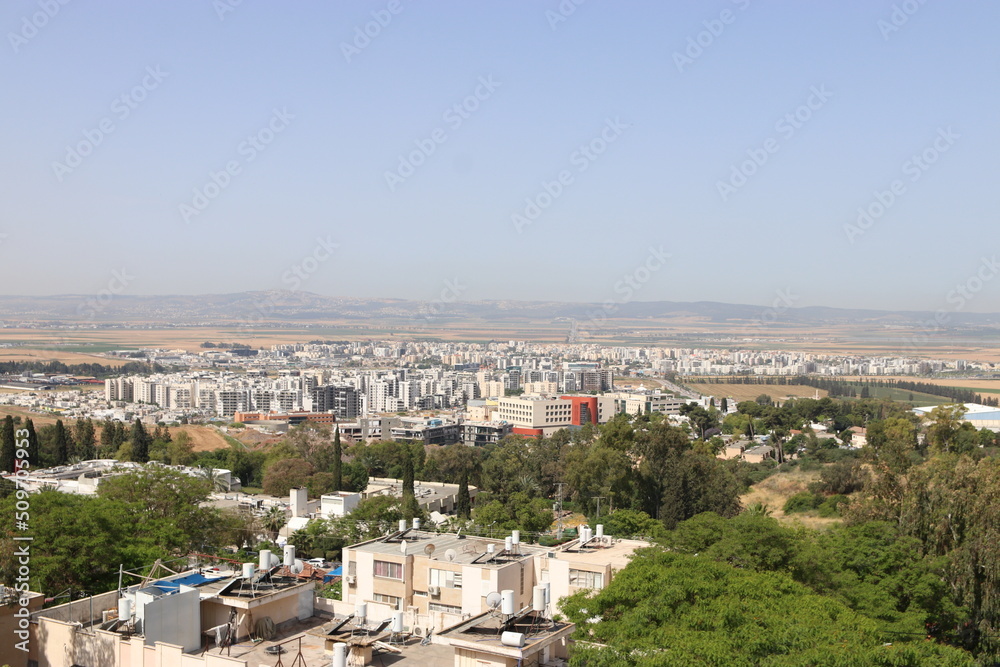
{"x": 447, "y": 608}
{"x": 391, "y": 600}
{"x": 586, "y": 579}
{"x": 388, "y": 569}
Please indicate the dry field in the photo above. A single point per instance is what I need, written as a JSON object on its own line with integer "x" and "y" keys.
{"x": 748, "y": 392}
{"x": 45, "y": 356}
{"x": 777, "y": 489}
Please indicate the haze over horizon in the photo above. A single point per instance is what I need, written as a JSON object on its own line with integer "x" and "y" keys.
{"x": 210, "y": 148}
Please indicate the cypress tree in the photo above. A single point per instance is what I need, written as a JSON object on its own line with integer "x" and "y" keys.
{"x": 338, "y": 472}
{"x": 140, "y": 442}
{"x": 7, "y": 445}
{"x": 62, "y": 444}
{"x": 463, "y": 504}
{"x": 33, "y": 452}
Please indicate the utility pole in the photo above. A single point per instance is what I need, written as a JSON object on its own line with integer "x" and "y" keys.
{"x": 599, "y": 499}
{"x": 559, "y": 486}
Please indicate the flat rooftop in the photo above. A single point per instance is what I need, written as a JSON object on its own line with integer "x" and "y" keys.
{"x": 616, "y": 552}
{"x": 467, "y": 550}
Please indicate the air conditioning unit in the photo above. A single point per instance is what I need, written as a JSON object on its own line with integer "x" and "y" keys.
{"x": 350, "y": 579}
{"x": 435, "y": 591}
{"x": 419, "y": 631}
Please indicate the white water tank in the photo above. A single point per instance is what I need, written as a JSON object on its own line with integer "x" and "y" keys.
{"x": 508, "y": 544}
{"x": 416, "y": 524}
{"x": 289, "y": 554}
{"x": 507, "y": 602}
{"x": 489, "y": 548}
{"x": 361, "y": 611}
{"x": 124, "y": 609}
{"x": 548, "y": 592}
{"x": 340, "y": 654}
{"x": 538, "y": 598}
{"x": 600, "y": 530}
{"x": 248, "y": 569}
{"x": 512, "y": 639}
{"x": 397, "y": 622}
{"x": 402, "y": 525}
{"x": 265, "y": 560}
{"x": 515, "y": 537}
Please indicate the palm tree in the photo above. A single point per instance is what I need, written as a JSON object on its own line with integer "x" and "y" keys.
{"x": 273, "y": 521}
{"x": 217, "y": 480}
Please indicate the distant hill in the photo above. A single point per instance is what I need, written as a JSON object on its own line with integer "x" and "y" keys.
{"x": 305, "y": 307}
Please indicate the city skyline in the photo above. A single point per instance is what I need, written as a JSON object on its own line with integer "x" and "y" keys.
{"x": 722, "y": 152}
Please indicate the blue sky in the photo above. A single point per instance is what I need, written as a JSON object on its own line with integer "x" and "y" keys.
{"x": 874, "y": 83}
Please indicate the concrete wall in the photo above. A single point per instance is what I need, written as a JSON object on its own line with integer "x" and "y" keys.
{"x": 174, "y": 619}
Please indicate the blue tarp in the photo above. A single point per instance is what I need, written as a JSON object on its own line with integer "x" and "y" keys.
{"x": 190, "y": 580}
{"x": 332, "y": 574}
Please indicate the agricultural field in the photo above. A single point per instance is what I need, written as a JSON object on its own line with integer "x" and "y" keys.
{"x": 748, "y": 392}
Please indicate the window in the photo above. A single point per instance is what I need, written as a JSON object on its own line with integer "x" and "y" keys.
{"x": 586, "y": 579}
{"x": 446, "y": 608}
{"x": 445, "y": 579}
{"x": 391, "y": 600}
{"x": 390, "y": 570}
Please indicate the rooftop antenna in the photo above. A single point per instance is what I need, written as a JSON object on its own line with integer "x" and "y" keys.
{"x": 429, "y": 550}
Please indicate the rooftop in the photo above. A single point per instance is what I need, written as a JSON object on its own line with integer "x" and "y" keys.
{"x": 465, "y": 550}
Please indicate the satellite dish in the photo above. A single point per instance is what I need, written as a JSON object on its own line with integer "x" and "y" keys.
{"x": 451, "y": 554}
{"x": 297, "y": 567}
{"x": 493, "y": 600}
{"x": 429, "y": 549}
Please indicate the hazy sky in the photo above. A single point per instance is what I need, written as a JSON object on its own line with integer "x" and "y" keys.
{"x": 738, "y": 137}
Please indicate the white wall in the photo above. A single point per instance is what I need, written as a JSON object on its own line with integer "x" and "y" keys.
{"x": 174, "y": 619}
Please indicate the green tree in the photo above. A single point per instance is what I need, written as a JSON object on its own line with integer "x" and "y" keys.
{"x": 463, "y": 504}
{"x": 337, "y": 467}
{"x": 140, "y": 441}
{"x": 287, "y": 474}
{"x": 83, "y": 435}
{"x": 62, "y": 444}
{"x": 180, "y": 451}
{"x": 34, "y": 454}
{"x": 7, "y": 445}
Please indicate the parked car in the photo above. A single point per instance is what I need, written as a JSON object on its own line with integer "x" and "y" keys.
{"x": 318, "y": 562}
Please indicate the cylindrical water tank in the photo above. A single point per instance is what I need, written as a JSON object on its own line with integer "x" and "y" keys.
{"x": 507, "y": 602}
{"x": 402, "y": 525}
{"x": 600, "y": 530}
{"x": 515, "y": 536}
{"x": 289, "y": 554}
{"x": 538, "y": 598}
{"x": 248, "y": 570}
{"x": 489, "y": 548}
{"x": 512, "y": 639}
{"x": 548, "y": 592}
{"x": 361, "y": 610}
{"x": 124, "y": 609}
{"x": 340, "y": 654}
{"x": 265, "y": 559}
{"x": 508, "y": 543}
{"x": 397, "y": 622}
{"x": 416, "y": 524}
